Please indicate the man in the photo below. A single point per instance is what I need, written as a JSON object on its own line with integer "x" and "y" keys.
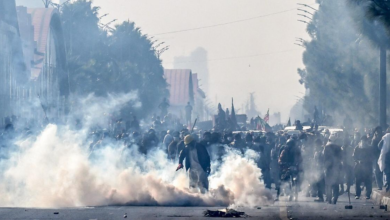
{"x": 197, "y": 162}
{"x": 298, "y": 126}
{"x": 172, "y": 148}
{"x": 319, "y": 170}
{"x": 290, "y": 160}
{"x": 384, "y": 158}
{"x": 378, "y": 134}
{"x": 274, "y": 166}
{"x": 168, "y": 138}
{"x": 333, "y": 167}
{"x": 181, "y": 145}
{"x": 363, "y": 156}
{"x": 188, "y": 109}
{"x": 238, "y": 143}
{"x": 348, "y": 162}
{"x": 265, "y": 162}
{"x": 164, "y": 107}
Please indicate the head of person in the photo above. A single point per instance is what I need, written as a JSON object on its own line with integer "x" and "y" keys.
{"x": 228, "y": 137}
{"x": 378, "y": 131}
{"x": 215, "y": 137}
{"x": 248, "y": 138}
{"x": 257, "y": 140}
{"x": 176, "y": 136}
{"x": 151, "y": 132}
{"x": 184, "y": 133}
{"x": 290, "y": 143}
{"x": 237, "y": 137}
{"x": 364, "y": 143}
{"x": 189, "y": 141}
{"x": 206, "y": 136}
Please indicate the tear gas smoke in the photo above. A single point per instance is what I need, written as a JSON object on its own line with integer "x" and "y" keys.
{"x": 57, "y": 168}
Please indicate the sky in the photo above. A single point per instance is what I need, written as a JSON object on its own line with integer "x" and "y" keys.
{"x": 256, "y": 55}
{"x": 272, "y": 75}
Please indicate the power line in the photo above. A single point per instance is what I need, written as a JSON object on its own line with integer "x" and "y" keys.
{"x": 238, "y": 57}
{"x": 226, "y": 23}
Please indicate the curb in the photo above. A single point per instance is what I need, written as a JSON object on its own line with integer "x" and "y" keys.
{"x": 379, "y": 198}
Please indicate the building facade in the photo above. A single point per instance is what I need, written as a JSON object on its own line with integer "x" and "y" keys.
{"x": 33, "y": 68}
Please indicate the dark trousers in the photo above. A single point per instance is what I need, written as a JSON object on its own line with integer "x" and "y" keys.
{"x": 349, "y": 175}
{"x": 332, "y": 192}
{"x": 266, "y": 176}
{"x": 320, "y": 186}
{"x": 365, "y": 178}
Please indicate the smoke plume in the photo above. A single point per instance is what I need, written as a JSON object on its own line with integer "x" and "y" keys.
{"x": 58, "y": 168}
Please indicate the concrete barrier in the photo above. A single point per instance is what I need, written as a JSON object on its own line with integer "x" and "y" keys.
{"x": 380, "y": 198}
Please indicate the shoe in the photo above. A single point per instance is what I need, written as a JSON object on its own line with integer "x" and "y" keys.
{"x": 319, "y": 200}
{"x": 380, "y": 189}
{"x": 276, "y": 200}
{"x": 290, "y": 198}
{"x": 357, "y": 197}
{"x": 367, "y": 197}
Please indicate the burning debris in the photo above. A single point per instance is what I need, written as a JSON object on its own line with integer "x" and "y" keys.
{"x": 225, "y": 213}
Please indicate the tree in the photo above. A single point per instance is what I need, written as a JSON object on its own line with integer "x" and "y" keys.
{"x": 373, "y": 18}
{"x": 120, "y": 61}
{"x": 340, "y": 70}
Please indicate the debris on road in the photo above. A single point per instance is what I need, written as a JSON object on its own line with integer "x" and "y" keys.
{"x": 226, "y": 213}
{"x": 56, "y": 213}
{"x": 125, "y": 216}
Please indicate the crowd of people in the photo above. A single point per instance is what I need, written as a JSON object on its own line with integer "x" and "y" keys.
{"x": 320, "y": 163}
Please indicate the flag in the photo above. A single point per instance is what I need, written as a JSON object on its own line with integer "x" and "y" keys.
{"x": 289, "y": 122}
{"x": 233, "y": 116}
{"x": 266, "y": 117}
{"x": 262, "y": 125}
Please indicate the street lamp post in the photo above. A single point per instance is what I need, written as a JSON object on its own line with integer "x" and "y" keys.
{"x": 382, "y": 88}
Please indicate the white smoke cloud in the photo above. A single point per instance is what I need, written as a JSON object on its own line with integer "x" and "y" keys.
{"x": 58, "y": 169}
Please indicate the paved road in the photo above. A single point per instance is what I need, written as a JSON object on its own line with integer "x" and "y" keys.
{"x": 304, "y": 209}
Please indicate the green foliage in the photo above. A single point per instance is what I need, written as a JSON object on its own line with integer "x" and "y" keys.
{"x": 118, "y": 61}
{"x": 341, "y": 68}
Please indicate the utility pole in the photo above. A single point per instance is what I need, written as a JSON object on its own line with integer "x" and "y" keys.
{"x": 382, "y": 88}
{"x": 46, "y": 3}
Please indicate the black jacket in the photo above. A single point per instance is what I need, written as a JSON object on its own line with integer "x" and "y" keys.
{"x": 203, "y": 157}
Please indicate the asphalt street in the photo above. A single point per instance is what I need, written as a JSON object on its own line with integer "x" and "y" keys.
{"x": 305, "y": 208}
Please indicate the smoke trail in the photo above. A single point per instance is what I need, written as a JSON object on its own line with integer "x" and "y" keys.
{"x": 58, "y": 169}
